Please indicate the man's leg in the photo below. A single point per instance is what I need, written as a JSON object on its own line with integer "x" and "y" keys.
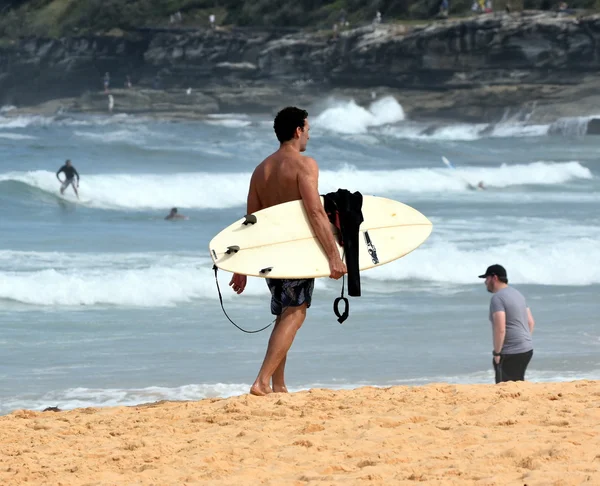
{"x": 514, "y": 366}
{"x": 278, "y": 377}
{"x": 497, "y": 371}
{"x": 75, "y": 189}
{"x": 280, "y": 342}
{"x": 523, "y": 362}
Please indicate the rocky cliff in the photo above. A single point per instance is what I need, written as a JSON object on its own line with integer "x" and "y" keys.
{"x": 472, "y": 68}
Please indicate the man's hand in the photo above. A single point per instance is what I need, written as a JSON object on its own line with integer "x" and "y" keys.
{"x": 238, "y": 283}
{"x": 337, "y": 268}
{"x": 497, "y": 359}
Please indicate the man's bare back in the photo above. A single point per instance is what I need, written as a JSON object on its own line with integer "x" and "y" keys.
{"x": 287, "y": 175}
{"x": 275, "y": 180}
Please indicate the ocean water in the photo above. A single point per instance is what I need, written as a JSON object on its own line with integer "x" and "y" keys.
{"x": 103, "y": 302}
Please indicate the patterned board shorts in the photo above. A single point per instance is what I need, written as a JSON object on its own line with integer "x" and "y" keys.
{"x": 289, "y": 293}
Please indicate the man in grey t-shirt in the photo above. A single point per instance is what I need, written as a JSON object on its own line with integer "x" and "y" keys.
{"x": 512, "y": 326}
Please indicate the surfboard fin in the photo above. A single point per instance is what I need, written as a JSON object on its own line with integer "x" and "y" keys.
{"x": 250, "y": 219}
{"x": 232, "y": 249}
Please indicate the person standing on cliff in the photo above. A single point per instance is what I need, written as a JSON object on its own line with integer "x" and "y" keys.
{"x": 444, "y": 7}
{"x": 106, "y": 82}
{"x": 512, "y": 326}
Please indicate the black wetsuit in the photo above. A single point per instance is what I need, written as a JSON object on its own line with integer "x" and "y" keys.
{"x": 69, "y": 171}
{"x": 344, "y": 210}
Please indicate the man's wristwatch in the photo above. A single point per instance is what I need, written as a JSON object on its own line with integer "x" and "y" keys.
{"x": 496, "y": 354}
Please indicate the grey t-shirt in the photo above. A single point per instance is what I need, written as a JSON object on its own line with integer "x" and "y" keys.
{"x": 512, "y": 302}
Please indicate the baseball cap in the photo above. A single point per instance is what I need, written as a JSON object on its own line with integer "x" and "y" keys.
{"x": 496, "y": 269}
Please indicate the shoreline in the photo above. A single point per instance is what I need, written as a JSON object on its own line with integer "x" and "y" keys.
{"x": 512, "y": 433}
{"x": 488, "y": 104}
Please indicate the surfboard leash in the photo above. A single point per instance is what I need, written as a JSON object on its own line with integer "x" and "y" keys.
{"x": 336, "y": 303}
{"x": 216, "y": 269}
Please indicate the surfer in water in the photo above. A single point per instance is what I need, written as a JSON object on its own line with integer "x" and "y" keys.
{"x": 478, "y": 187}
{"x": 284, "y": 176}
{"x": 70, "y": 173}
{"x": 174, "y": 215}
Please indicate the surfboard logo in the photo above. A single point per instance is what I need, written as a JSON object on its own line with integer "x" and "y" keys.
{"x": 371, "y": 248}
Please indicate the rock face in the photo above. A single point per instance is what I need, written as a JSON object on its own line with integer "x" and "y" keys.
{"x": 35, "y": 70}
{"x": 485, "y": 62}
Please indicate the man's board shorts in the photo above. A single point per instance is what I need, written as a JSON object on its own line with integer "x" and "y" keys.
{"x": 67, "y": 183}
{"x": 289, "y": 293}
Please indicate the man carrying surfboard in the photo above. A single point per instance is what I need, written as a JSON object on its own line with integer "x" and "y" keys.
{"x": 70, "y": 173}
{"x": 284, "y": 176}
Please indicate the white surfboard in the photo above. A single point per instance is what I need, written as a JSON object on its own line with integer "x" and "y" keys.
{"x": 282, "y": 244}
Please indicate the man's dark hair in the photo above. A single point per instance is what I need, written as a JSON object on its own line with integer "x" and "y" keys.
{"x": 503, "y": 279}
{"x": 286, "y": 122}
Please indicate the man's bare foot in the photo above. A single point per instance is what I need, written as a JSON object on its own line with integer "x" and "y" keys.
{"x": 259, "y": 390}
{"x": 279, "y": 389}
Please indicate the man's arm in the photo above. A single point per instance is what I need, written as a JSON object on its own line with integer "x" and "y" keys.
{"x": 253, "y": 204}
{"x": 76, "y": 173}
{"x": 59, "y": 171}
{"x": 308, "y": 184}
{"x": 530, "y": 320}
{"x": 499, "y": 329}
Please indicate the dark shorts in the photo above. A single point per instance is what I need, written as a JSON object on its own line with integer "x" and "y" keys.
{"x": 512, "y": 367}
{"x": 67, "y": 183}
{"x": 289, "y": 293}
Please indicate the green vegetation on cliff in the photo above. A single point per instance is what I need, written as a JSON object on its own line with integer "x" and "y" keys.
{"x": 72, "y": 17}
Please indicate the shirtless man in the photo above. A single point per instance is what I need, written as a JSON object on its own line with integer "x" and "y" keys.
{"x": 284, "y": 176}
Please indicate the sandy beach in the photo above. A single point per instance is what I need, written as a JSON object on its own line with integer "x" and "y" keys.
{"x": 513, "y": 433}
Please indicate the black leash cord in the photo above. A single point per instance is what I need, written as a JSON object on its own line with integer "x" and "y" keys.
{"x": 336, "y": 303}
{"x": 215, "y": 268}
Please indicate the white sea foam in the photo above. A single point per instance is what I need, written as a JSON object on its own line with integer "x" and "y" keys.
{"x": 130, "y": 280}
{"x": 541, "y": 261}
{"x": 148, "y": 191}
{"x": 111, "y": 397}
{"x": 575, "y": 126}
{"x": 16, "y": 136}
{"x": 136, "y": 135}
{"x": 348, "y": 117}
{"x": 80, "y": 397}
{"x": 229, "y": 120}
{"x": 221, "y": 190}
{"x": 25, "y": 121}
{"x": 455, "y": 254}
